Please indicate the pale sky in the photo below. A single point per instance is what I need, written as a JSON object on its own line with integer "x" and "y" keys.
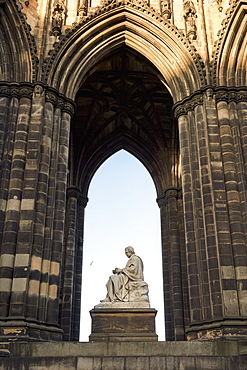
{"x": 122, "y": 211}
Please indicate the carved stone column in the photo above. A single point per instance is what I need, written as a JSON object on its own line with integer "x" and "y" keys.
{"x": 172, "y": 264}
{"x": 32, "y": 199}
{"x": 214, "y": 199}
{"x": 72, "y": 267}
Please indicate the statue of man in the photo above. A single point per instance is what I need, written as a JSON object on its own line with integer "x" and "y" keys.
{"x": 117, "y": 285}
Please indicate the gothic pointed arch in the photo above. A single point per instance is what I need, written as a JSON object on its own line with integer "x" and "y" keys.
{"x": 17, "y": 47}
{"x": 123, "y": 104}
{"x": 125, "y": 24}
{"x": 231, "y": 65}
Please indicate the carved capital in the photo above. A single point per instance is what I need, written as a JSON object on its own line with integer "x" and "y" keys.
{"x": 241, "y": 96}
{"x": 69, "y": 108}
{"x": 172, "y": 192}
{"x": 15, "y": 92}
{"x": 60, "y": 103}
{"x": 169, "y": 193}
{"x": 51, "y": 97}
{"x": 231, "y": 94}
{"x": 180, "y": 111}
{"x": 222, "y": 96}
{"x": 26, "y": 92}
{"x": 5, "y": 91}
{"x": 188, "y": 104}
{"x": 73, "y": 192}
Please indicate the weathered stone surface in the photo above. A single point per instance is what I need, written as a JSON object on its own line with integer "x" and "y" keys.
{"x": 124, "y": 355}
{"x": 123, "y": 324}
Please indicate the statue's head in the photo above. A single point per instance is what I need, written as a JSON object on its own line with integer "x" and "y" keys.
{"x": 129, "y": 251}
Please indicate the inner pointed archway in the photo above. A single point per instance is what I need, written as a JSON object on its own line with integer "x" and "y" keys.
{"x": 124, "y": 105}
{"x": 121, "y": 211}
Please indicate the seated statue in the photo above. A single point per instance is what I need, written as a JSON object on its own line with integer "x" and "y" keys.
{"x": 127, "y": 284}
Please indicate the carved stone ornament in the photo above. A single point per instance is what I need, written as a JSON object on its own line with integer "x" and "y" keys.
{"x": 5, "y": 91}
{"x": 60, "y": 103}
{"x": 219, "y": 3}
{"x": 165, "y": 9}
{"x": 51, "y": 97}
{"x": 58, "y": 18}
{"x": 188, "y": 104}
{"x": 127, "y": 284}
{"x": 69, "y": 108}
{"x": 228, "y": 95}
{"x": 169, "y": 193}
{"x": 38, "y": 91}
{"x": 74, "y": 192}
{"x": 26, "y": 92}
{"x": 190, "y": 20}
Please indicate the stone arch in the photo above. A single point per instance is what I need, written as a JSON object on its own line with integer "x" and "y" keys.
{"x": 134, "y": 114}
{"x": 144, "y": 31}
{"x": 118, "y": 127}
{"x": 17, "y": 57}
{"x": 232, "y": 60}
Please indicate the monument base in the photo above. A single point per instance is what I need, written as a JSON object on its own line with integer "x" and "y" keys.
{"x": 123, "y": 324}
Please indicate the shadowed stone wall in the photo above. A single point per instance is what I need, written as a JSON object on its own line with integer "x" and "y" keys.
{"x": 164, "y": 80}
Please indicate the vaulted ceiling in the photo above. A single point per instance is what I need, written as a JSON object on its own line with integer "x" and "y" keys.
{"x": 123, "y": 104}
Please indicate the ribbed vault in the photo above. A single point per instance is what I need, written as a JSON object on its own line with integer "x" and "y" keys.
{"x": 124, "y": 105}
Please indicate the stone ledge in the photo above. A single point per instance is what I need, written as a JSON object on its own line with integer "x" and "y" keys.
{"x": 215, "y": 355}
{"x": 119, "y": 349}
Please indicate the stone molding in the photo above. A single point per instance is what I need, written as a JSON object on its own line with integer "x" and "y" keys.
{"x": 30, "y": 40}
{"x": 221, "y": 94}
{"x": 28, "y": 90}
{"x": 109, "y": 6}
{"x": 188, "y": 104}
{"x": 231, "y": 94}
{"x": 221, "y": 34}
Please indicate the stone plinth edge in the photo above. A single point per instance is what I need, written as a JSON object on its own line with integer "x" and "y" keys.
{"x": 122, "y": 324}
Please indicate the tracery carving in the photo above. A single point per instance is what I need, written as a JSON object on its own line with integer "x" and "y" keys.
{"x": 190, "y": 20}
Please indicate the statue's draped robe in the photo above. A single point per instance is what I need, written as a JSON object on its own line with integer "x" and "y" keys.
{"x": 117, "y": 286}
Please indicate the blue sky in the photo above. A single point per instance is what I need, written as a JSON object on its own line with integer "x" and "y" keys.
{"x": 121, "y": 211}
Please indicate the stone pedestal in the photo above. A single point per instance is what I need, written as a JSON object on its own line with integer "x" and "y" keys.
{"x": 123, "y": 324}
